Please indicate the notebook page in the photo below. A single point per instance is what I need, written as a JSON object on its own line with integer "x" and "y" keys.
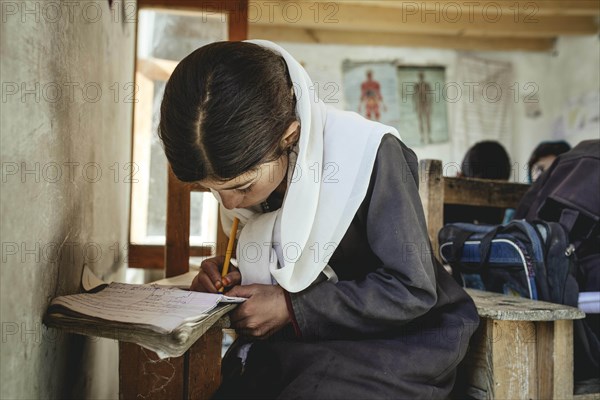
{"x": 163, "y": 308}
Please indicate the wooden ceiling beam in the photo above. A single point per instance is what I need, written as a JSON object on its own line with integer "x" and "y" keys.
{"x": 314, "y": 36}
{"x": 536, "y": 7}
{"x": 428, "y": 19}
{"x": 219, "y": 6}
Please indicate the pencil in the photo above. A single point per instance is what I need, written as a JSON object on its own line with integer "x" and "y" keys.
{"x": 229, "y": 251}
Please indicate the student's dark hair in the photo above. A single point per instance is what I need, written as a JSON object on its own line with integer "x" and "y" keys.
{"x": 546, "y": 149}
{"x": 224, "y": 111}
{"x": 486, "y": 160}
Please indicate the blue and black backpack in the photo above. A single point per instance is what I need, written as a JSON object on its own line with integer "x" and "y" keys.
{"x": 532, "y": 260}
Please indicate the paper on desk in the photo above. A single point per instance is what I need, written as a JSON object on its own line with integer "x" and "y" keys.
{"x": 89, "y": 281}
{"x": 162, "y": 309}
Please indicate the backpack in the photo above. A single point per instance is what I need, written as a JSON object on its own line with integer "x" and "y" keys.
{"x": 569, "y": 193}
{"x": 532, "y": 260}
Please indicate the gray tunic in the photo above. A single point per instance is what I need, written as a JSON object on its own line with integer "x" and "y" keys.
{"x": 396, "y": 324}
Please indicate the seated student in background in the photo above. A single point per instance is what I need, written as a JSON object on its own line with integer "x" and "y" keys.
{"x": 485, "y": 160}
{"x": 543, "y": 156}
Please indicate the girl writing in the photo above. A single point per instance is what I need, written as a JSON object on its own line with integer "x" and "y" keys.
{"x": 344, "y": 298}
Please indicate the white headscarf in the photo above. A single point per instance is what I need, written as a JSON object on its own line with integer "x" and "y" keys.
{"x": 327, "y": 182}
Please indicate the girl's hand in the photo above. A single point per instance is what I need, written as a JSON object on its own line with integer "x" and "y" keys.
{"x": 264, "y": 313}
{"x": 209, "y": 278}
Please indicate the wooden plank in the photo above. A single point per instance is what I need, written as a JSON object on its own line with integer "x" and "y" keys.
{"x": 518, "y": 359}
{"x": 292, "y": 33}
{"x": 545, "y": 349}
{"x": 555, "y": 359}
{"x": 501, "y": 361}
{"x": 145, "y": 256}
{"x": 238, "y": 21}
{"x": 204, "y": 369}
{"x": 511, "y": 7}
{"x": 143, "y": 375}
{"x": 194, "y": 375}
{"x": 177, "y": 251}
{"x": 222, "y": 6}
{"x": 513, "y": 364}
{"x": 421, "y": 20}
{"x": 431, "y": 191}
{"x": 483, "y": 192}
{"x": 513, "y": 308}
{"x": 153, "y": 256}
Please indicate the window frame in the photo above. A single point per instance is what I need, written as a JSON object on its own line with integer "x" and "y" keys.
{"x": 174, "y": 256}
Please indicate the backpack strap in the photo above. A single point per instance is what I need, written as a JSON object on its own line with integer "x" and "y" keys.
{"x": 579, "y": 228}
{"x": 486, "y": 242}
{"x": 486, "y": 245}
{"x": 568, "y": 218}
{"x": 458, "y": 243}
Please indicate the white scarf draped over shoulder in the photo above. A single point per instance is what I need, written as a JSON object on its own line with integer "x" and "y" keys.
{"x": 327, "y": 181}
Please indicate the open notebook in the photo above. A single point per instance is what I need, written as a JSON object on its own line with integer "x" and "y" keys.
{"x": 166, "y": 320}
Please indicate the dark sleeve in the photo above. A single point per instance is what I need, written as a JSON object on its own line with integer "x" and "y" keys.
{"x": 401, "y": 287}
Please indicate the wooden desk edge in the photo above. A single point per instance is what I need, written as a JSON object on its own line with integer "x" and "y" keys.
{"x": 511, "y": 308}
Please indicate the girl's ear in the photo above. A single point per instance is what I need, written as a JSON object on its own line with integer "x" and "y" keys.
{"x": 291, "y": 135}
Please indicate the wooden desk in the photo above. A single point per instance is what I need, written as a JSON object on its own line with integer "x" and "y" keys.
{"x": 195, "y": 375}
{"x": 142, "y": 374}
{"x": 523, "y": 349}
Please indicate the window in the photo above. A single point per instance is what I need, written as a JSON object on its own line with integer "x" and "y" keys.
{"x": 164, "y": 37}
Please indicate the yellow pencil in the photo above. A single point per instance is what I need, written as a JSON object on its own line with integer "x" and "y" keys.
{"x": 229, "y": 251}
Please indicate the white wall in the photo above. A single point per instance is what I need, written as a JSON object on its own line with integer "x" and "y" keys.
{"x": 570, "y": 70}
{"x": 64, "y": 198}
{"x": 573, "y": 69}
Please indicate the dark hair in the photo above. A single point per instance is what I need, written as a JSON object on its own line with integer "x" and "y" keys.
{"x": 546, "y": 149}
{"x": 224, "y": 110}
{"x": 486, "y": 160}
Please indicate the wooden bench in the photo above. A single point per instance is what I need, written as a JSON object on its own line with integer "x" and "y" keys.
{"x": 523, "y": 349}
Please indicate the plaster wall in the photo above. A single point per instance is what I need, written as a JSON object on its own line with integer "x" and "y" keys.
{"x": 66, "y": 113}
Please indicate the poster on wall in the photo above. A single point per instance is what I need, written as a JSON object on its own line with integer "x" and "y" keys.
{"x": 423, "y": 114}
{"x": 407, "y": 98}
{"x": 370, "y": 89}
